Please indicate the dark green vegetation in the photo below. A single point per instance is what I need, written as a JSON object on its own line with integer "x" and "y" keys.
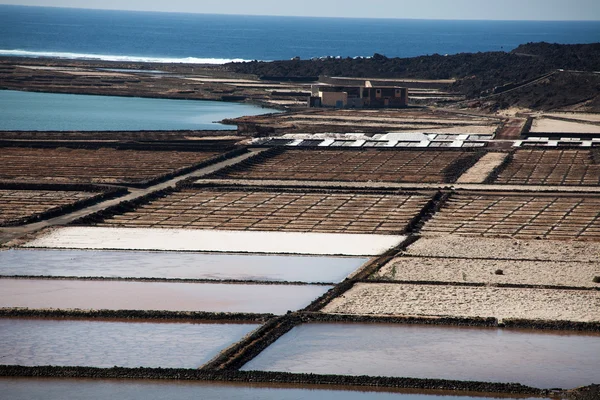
{"x": 478, "y": 74}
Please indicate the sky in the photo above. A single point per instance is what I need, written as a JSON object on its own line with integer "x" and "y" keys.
{"x": 416, "y": 9}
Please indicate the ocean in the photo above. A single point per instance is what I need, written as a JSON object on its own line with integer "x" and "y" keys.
{"x": 176, "y": 37}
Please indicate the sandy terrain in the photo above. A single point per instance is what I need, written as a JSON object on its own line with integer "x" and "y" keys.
{"x": 445, "y": 81}
{"x": 513, "y": 111}
{"x": 267, "y": 86}
{"x": 513, "y": 249}
{"x": 285, "y": 102}
{"x": 397, "y": 125}
{"x": 452, "y": 98}
{"x": 579, "y": 116}
{"x": 216, "y": 241}
{"x": 467, "y": 129}
{"x": 501, "y": 303}
{"x": 78, "y": 71}
{"x": 483, "y": 168}
{"x": 224, "y": 80}
{"x": 368, "y": 118}
{"x": 98, "y": 73}
{"x": 330, "y": 135}
{"x": 553, "y": 125}
{"x": 483, "y": 271}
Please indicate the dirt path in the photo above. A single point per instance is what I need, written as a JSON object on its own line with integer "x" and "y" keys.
{"x": 511, "y": 130}
{"x": 479, "y": 172}
{"x": 402, "y": 186}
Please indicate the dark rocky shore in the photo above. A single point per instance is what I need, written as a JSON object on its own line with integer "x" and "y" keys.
{"x": 477, "y": 75}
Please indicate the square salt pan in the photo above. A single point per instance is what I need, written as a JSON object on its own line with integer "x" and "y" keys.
{"x": 468, "y": 302}
{"x": 105, "y": 344}
{"x": 100, "y": 238}
{"x": 156, "y": 296}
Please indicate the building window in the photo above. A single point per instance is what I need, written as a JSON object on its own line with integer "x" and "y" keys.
{"x": 378, "y": 93}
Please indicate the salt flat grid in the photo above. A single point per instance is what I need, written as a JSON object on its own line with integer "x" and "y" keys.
{"x": 351, "y": 165}
{"x": 103, "y": 165}
{"x": 518, "y": 216}
{"x": 16, "y": 205}
{"x": 337, "y": 222}
{"x": 276, "y": 210}
{"x": 552, "y": 167}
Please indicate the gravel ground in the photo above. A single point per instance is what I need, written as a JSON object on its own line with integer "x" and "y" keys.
{"x": 483, "y": 271}
{"x": 513, "y": 249}
{"x": 501, "y": 303}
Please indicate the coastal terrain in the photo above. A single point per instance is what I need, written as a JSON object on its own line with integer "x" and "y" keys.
{"x": 451, "y": 247}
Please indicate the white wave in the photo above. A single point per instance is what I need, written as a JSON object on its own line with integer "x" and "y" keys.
{"x": 107, "y": 57}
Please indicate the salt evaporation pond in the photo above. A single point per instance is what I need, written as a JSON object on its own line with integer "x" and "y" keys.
{"x": 86, "y": 389}
{"x": 172, "y": 265}
{"x": 28, "y": 111}
{"x": 533, "y": 358}
{"x": 156, "y": 296}
{"x": 216, "y": 241}
{"x": 106, "y": 344}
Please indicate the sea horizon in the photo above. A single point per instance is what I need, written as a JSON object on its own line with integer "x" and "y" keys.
{"x": 162, "y": 37}
{"x": 302, "y": 16}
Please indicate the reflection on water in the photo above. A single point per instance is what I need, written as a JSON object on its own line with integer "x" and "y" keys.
{"x": 545, "y": 360}
{"x": 161, "y": 296}
{"x": 106, "y": 344}
{"x": 27, "y": 111}
{"x": 139, "y": 264}
{"x": 38, "y": 389}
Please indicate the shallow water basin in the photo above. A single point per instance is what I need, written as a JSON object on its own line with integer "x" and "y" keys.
{"x": 171, "y": 265}
{"x": 162, "y": 296}
{"x": 533, "y": 358}
{"x": 28, "y": 111}
{"x": 31, "y": 342}
{"x": 86, "y": 389}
